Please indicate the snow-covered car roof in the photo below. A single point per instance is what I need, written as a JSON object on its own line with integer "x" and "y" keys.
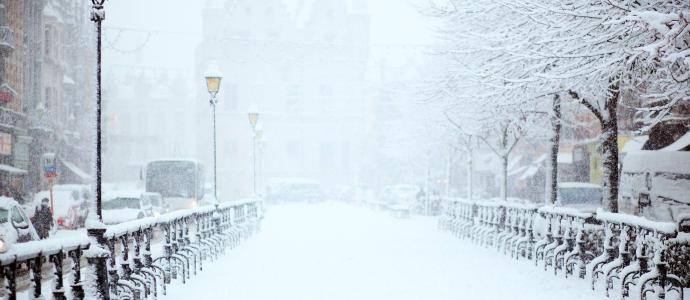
{"x": 579, "y": 185}
{"x": 116, "y": 216}
{"x": 291, "y": 181}
{"x": 657, "y": 161}
{"x": 7, "y": 202}
{"x": 70, "y": 187}
{"x": 110, "y": 195}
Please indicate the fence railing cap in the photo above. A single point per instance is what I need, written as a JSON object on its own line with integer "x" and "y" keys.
{"x": 619, "y": 218}
{"x": 25, "y": 251}
{"x": 565, "y": 211}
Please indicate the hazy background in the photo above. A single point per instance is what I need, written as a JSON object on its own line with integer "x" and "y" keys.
{"x": 356, "y": 121}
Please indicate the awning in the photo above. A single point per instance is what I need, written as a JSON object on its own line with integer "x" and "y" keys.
{"x": 680, "y": 144}
{"x": 12, "y": 170}
{"x": 74, "y": 169}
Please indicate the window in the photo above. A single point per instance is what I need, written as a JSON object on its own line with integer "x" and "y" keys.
{"x": 345, "y": 155}
{"x": 17, "y": 218}
{"x": 48, "y": 97}
{"x": 47, "y": 40}
{"x": 3, "y": 215}
{"x": 326, "y": 155}
{"x": 325, "y": 96}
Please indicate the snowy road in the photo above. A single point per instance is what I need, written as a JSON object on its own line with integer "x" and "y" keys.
{"x": 336, "y": 251}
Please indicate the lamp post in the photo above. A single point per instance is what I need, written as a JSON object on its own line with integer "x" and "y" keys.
{"x": 261, "y": 146}
{"x": 253, "y": 119}
{"x": 213, "y": 78}
{"x": 258, "y": 133}
{"x": 97, "y": 16}
{"x": 97, "y": 255}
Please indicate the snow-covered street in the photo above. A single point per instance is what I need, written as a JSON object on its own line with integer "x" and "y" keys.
{"x": 338, "y": 251}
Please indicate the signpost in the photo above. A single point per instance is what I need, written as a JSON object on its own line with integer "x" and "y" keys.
{"x": 50, "y": 173}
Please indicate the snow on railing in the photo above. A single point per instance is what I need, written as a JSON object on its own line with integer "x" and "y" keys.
{"x": 615, "y": 250}
{"x": 134, "y": 270}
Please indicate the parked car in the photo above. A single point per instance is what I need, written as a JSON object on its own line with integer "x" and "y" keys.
{"x": 584, "y": 196}
{"x": 70, "y": 204}
{"x": 15, "y": 226}
{"x": 364, "y": 195}
{"x": 656, "y": 184}
{"x": 123, "y": 206}
{"x": 301, "y": 190}
{"x": 158, "y": 206}
{"x": 400, "y": 195}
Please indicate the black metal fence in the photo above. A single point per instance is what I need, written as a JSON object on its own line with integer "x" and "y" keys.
{"x": 619, "y": 253}
{"x": 137, "y": 268}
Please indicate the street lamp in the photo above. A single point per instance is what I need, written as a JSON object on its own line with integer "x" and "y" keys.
{"x": 253, "y": 115}
{"x": 213, "y": 78}
{"x": 258, "y": 133}
{"x": 95, "y": 228}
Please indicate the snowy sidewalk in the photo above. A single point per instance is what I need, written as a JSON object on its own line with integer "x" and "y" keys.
{"x": 336, "y": 251}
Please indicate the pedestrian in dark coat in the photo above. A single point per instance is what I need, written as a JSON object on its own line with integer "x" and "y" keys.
{"x": 43, "y": 219}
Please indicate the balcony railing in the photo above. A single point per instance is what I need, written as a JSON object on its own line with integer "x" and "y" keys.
{"x": 6, "y": 39}
{"x": 12, "y": 119}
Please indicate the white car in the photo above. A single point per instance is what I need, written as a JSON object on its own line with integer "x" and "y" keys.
{"x": 123, "y": 206}
{"x": 581, "y": 195}
{"x": 15, "y": 226}
{"x": 656, "y": 184}
{"x": 158, "y": 206}
{"x": 400, "y": 195}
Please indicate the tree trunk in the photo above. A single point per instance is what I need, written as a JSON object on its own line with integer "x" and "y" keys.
{"x": 504, "y": 177}
{"x": 555, "y": 144}
{"x": 609, "y": 146}
{"x": 449, "y": 164}
{"x": 470, "y": 170}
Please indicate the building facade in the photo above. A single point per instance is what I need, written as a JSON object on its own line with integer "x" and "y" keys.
{"x": 147, "y": 117}
{"x": 14, "y": 138}
{"x": 46, "y": 52}
{"x": 303, "y": 68}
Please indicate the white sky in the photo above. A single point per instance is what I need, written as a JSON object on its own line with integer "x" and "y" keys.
{"x": 176, "y": 26}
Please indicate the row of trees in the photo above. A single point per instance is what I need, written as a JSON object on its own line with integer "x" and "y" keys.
{"x": 508, "y": 65}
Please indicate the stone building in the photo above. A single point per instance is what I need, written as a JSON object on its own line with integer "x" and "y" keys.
{"x": 14, "y": 140}
{"x": 61, "y": 121}
{"x": 303, "y": 67}
{"x": 46, "y": 52}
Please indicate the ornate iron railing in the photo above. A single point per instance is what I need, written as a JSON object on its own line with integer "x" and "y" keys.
{"x": 631, "y": 255}
{"x": 12, "y": 119}
{"x": 6, "y": 38}
{"x": 134, "y": 270}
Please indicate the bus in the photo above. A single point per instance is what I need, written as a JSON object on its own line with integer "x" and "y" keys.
{"x": 179, "y": 182}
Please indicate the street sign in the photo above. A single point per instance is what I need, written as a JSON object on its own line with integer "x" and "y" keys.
{"x": 49, "y": 165}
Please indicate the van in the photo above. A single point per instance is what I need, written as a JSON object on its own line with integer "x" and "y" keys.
{"x": 655, "y": 184}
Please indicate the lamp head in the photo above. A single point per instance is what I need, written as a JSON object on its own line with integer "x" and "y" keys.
{"x": 253, "y": 115}
{"x": 213, "y": 78}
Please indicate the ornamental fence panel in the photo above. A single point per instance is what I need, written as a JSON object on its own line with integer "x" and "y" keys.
{"x": 625, "y": 254}
{"x": 136, "y": 265}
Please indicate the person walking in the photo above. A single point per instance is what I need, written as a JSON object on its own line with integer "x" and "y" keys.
{"x": 43, "y": 219}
